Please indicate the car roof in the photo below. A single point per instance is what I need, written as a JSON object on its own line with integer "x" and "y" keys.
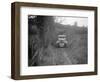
{"x": 61, "y": 35}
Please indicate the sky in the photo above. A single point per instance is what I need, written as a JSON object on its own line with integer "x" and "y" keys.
{"x": 81, "y": 21}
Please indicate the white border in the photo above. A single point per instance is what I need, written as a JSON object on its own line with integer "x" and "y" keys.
{"x": 25, "y": 70}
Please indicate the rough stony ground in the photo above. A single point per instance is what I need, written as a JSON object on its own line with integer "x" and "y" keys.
{"x": 55, "y": 56}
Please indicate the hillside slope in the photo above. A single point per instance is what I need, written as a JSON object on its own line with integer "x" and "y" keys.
{"x": 74, "y": 53}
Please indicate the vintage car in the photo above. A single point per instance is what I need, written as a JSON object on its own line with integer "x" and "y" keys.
{"x": 61, "y": 42}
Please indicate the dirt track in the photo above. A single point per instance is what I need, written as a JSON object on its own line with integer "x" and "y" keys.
{"x": 55, "y": 56}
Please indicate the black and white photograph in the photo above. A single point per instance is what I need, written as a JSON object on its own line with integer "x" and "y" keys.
{"x": 57, "y": 40}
